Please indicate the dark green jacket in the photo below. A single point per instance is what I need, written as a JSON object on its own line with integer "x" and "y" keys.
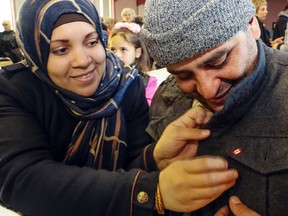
{"x": 253, "y": 122}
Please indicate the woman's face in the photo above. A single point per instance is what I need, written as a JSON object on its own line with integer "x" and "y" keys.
{"x": 77, "y": 58}
{"x": 262, "y": 12}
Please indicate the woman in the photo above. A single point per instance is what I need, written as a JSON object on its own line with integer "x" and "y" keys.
{"x": 261, "y": 14}
{"x": 72, "y": 126}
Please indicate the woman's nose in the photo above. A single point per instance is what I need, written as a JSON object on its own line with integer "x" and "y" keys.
{"x": 81, "y": 58}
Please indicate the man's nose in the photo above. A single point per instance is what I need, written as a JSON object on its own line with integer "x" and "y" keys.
{"x": 206, "y": 85}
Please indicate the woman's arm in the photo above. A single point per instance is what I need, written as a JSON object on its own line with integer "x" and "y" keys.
{"x": 34, "y": 128}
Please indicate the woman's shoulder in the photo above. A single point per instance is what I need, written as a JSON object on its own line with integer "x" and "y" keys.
{"x": 16, "y": 73}
{"x": 22, "y": 86}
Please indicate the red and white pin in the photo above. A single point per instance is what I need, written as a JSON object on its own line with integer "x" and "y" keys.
{"x": 237, "y": 151}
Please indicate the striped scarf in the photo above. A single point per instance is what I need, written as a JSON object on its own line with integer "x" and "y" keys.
{"x": 97, "y": 139}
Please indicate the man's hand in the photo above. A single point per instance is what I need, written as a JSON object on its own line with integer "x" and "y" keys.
{"x": 237, "y": 208}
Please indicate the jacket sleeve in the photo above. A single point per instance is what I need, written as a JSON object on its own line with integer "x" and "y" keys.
{"x": 34, "y": 181}
{"x": 140, "y": 146}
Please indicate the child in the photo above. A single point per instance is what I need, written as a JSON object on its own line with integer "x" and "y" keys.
{"x": 126, "y": 43}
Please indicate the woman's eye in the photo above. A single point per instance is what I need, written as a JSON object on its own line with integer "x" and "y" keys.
{"x": 60, "y": 51}
{"x": 92, "y": 42}
{"x": 124, "y": 50}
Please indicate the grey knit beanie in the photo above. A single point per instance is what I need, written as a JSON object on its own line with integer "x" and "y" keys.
{"x": 175, "y": 30}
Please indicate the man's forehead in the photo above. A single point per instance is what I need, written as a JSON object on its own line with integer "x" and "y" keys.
{"x": 5, "y": 23}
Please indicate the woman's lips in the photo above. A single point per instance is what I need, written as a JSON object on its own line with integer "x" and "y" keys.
{"x": 85, "y": 76}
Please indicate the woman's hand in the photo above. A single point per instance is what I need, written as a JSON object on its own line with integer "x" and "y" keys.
{"x": 179, "y": 140}
{"x": 188, "y": 185}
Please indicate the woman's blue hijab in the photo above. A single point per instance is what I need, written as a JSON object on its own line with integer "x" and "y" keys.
{"x": 99, "y": 114}
{"x": 36, "y": 22}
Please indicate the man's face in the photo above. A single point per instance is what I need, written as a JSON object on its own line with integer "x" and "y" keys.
{"x": 210, "y": 76}
{"x": 6, "y": 25}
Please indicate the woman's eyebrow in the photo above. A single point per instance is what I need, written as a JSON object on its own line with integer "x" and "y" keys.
{"x": 66, "y": 40}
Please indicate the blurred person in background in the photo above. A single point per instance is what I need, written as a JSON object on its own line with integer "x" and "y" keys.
{"x": 109, "y": 22}
{"x": 261, "y": 14}
{"x": 128, "y": 15}
{"x": 8, "y": 44}
{"x": 280, "y": 25}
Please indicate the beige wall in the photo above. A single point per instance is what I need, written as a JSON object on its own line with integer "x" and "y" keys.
{"x": 110, "y": 9}
{"x": 18, "y": 4}
{"x": 273, "y": 7}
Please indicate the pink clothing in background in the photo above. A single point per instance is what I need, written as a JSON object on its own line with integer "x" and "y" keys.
{"x": 151, "y": 89}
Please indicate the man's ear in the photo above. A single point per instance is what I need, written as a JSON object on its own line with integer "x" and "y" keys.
{"x": 254, "y": 28}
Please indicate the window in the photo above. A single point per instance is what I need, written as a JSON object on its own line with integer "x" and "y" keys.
{"x": 6, "y": 13}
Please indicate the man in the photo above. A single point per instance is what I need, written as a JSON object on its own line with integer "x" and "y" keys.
{"x": 282, "y": 45}
{"x": 8, "y": 45}
{"x": 213, "y": 50}
{"x": 280, "y": 26}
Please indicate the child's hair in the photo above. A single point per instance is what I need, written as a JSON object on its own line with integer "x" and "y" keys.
{"x": 130, "y": 33}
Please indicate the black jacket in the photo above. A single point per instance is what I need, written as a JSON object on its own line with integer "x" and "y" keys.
{"x": 280, "y": 27}
{"x": 9, "y": 47}
{"x": 265, "y": 34}
{"x": 35, "y": 130}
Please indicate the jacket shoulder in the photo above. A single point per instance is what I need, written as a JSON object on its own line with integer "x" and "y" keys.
{"x": 14, "y": 67}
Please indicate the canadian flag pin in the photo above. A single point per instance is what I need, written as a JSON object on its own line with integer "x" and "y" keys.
{"x": 237, "y": 151}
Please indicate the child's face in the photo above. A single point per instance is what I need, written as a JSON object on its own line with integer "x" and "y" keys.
{"x": 124, "y": 50}
{"x": 77, "y": 59}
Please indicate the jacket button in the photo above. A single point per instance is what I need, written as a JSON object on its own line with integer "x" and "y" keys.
{"x": 142, "y": 197}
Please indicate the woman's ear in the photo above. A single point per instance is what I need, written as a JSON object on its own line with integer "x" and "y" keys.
{"x": 254, "y": 28}
{"x": 138, "y": 52}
